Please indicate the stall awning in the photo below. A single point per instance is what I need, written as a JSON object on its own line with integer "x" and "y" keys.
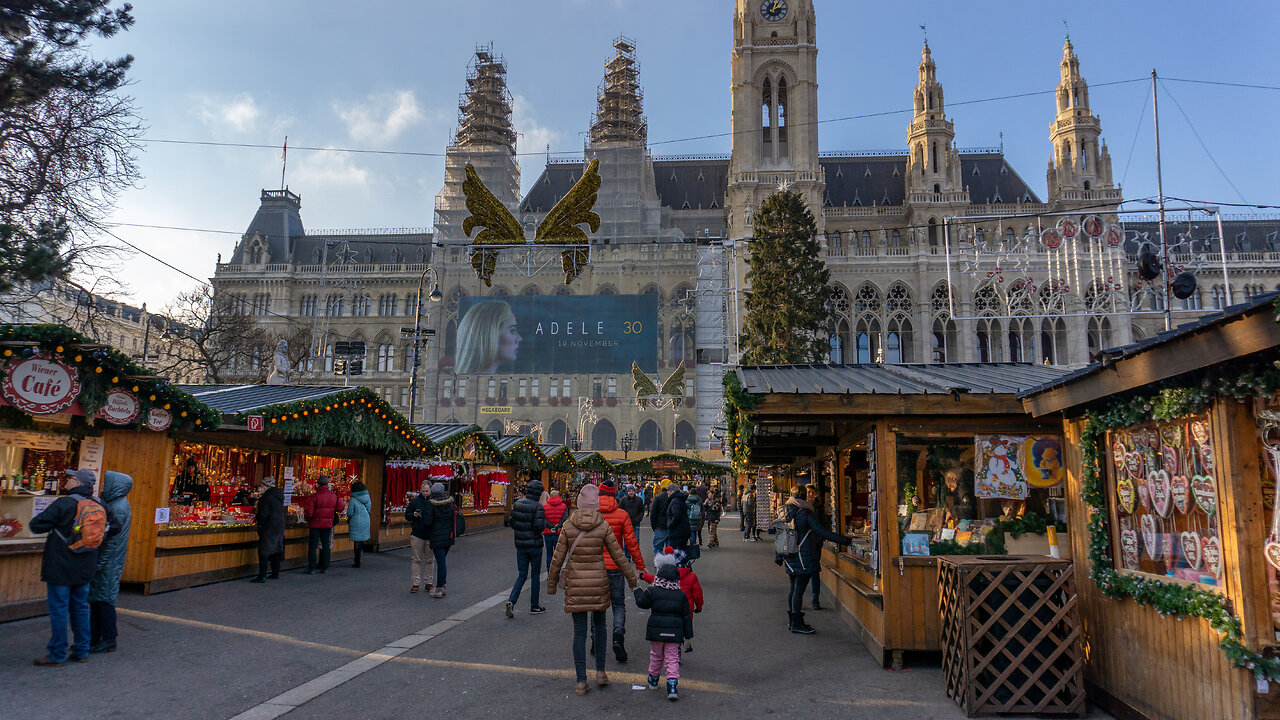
{"x": 588, "y": 460}
{"x": 446, "y": 433}
{"x": 671, "y": 463}
{"x": 521, "y": 451}
{"x": 559, "y": 457}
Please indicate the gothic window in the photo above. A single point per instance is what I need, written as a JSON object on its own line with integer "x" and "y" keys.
{"x": 984, "y": 347}
{"x": 933, "y": 232}
{"x": 766, "y": 110}
{"x": 1219, "y": 297}
{"x": 307, "y": 306}
{"x": 782, "y": 109}
{"x": 606, "y": 290}
{"x": 836, "y": 356}
{"x": 563, "y": 290}
{"x": 1022, "y": 299}
{"x": 360, "y": 305}
{"x": 531, "y": 291}
{"x": 934, "y": 154}
{"x": 1096, "y": 301}
{"x": 895, "y": 239}
{"x": 836, "y": 240}
{"x": 386, "y": 357}
{"x": 987, "y": 301}
{"x": 940, "y": 301}
{"x": 1015, "y": 347}
{"x": 333, "y": 308}
{"x": 868, "y": 300}
{"x": 1051, "y": 298}
{"x": 866, "y": 238}
{"x": 899, "y": 299}
{"x": 1099, "y": 335}
{"x": 1053, "y": 337}
{"x": 864, "y": 347}
{"x": 1010, "y": 238}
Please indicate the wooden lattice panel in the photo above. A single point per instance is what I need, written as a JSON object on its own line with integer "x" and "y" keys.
{"x": 1011, "y": 635}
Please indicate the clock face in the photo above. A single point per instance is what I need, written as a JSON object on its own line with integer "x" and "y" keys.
{"x": 773, "y": 10}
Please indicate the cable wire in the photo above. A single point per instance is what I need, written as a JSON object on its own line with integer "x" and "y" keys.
{"x": 1142, "y": 114}
{"x": 1223, "y": 84}
{"x": 1203, "y": 146}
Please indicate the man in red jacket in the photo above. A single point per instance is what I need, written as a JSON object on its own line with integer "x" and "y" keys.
{"x": 620, "y": 522}
{"x": 322, "y": 512}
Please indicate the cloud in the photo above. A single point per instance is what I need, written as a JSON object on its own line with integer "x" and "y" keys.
{"x": 380, "y": 118}
{"x": 318, "y": 169}
{"x": 534, "y": 137}
{"x": 238, "y": 113}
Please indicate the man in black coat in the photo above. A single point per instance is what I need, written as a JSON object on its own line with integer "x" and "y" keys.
{"x": 633, "y": 505}
{"x": 803, "y": 565}
{"x": 658, "y": 518}
{"x": 65, "y": 572}
{"x": 528, "y": 520}
{"x": 269, "y": 518}
{"x": 679, "y": 530}
{"x": 419, "y": 513}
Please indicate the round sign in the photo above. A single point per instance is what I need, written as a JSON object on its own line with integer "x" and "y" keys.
{"x": 41, "y": 385}
{"x": 1114, "y": 236}
{"x": 159, "y": 419}
{"x": 121, "y": 407}
{"x": 1068, "y": 227}
{"x": 1051, "y": 238}
{"x": 1092, "y": 226}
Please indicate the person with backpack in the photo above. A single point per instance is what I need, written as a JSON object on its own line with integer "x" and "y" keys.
{"x": 359, "y": 511}
{"x": 712, "y": 510}
{"x": 798, "y": 548}
{"x": 555, "y": 511}
{"x": 694, "y": 509}
{"x": 444, "y": 524}
{"x": 528, "y": 521}
{"x": 77, "y": 525}
{"x": 104, "y": 591}
{"x": 670, "y": 623}
{"x": 322, "y": 511}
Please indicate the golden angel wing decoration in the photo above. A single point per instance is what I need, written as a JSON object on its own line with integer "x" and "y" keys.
{"x": 641, "y": 383}
{"x": 500, "y": 227}
{"x": 560, "y": 227}
{"x": 674, "y": 386}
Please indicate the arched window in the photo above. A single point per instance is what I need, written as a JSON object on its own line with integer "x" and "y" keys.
{"x": 649, "y": 437}
{"x": 866, "y": 238}
{"x": 864, "y": 347}
{"x": 558, "y": 433}
{"x": 494, "y": 427}
{"x": 782, "y": 109}
{"x": 895, "y": 239}
{"x": 933, "y": 155}
{"x": 933, "y": 232}
{"x": 766, "y": 110}
{"x": 604, "y": 436}
{"x": 836, "y": 240}
{"x": 1015, "y": 347}
{"x": 893, "y": 348}
{"x": 984, "y": 347}
{"x": 836, "y": 357}
{"x": 685, "y": 436}
{"x": 938, "y": 349}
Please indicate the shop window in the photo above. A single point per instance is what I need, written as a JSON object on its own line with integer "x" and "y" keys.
{"x": 956, "y": 488}
{"x": 1163, "y": 492}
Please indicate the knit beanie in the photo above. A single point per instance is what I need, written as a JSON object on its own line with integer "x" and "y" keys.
{"x": 665, "y": 558}
{"x": 439, "y": 490}
{"x": 589, "y": 497}
{"x": 608, "y": 488}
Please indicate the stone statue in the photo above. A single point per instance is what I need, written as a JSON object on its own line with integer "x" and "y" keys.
{"x": 280, "y": 368}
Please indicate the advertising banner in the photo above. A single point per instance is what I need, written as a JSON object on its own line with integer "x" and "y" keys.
{"x": 557, "y": 334}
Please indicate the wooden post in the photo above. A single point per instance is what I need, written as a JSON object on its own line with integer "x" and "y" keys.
{"x": 1243, "y": 522}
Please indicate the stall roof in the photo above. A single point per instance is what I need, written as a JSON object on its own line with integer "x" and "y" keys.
{"x": 445, "y": 433}
{"x": 643, "y": 466}
{"x": 590, "y": 460}
{"x": 233, "y": 399}
{"x": 880, "y": 379}
{"x": 559, "y": 457}
{"x": 511, "y": 446}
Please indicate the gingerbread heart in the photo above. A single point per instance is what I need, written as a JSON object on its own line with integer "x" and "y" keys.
{"x": 1205, "y": 491}
{"x": 1161, "y": 492}
{"x": 1144, "y": 495}
{"x": 1190, "y": 541}
{"x": 1117, "y": 455}
{"x": 1129, "y": 549}
{"x": 1150, "y": 540}
{"x": 1211, "y": 548}
{"x": 1206, "y": 457}
{"x": 1180, "y": 488}
{"x": 1125, "y": 494}
{"x": 1200, "y": 432}
{"x": 1133, "y": 463}
{"x": 1169, "y": 460}
{"x": 1272, "y": 551}
{"x": 1171, "y": 435}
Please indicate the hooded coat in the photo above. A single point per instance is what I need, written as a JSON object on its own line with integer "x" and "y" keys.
{"x": 678, "y": 528}
{"x": 810, "y": 533}
{"x": 528, "y": 519}
{"x": 439, "y": 521}
{"x": 695, "y": 501}
{"x": 111, "y": 554}
{"x": 670, "y": 617}
{"x": 620, "y": 522}
{"x": 269, "y": 517}
{"x": 358, "y": 512}
{"x": 586, "y": 583}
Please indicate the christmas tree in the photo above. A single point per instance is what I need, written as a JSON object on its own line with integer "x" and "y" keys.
{"x": 787, "y": 314}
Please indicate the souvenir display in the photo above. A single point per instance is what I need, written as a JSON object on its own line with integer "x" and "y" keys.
{"x": 998, "y": 467}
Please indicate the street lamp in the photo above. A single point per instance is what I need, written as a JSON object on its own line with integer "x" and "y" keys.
{"x": 628, "y": 441}
{"x": 419, "y": 336}
{"x": 574, "y": 442}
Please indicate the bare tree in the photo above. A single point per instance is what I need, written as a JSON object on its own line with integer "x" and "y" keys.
{"x": 224, "y": 339}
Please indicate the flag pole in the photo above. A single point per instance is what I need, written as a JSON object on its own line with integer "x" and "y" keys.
{"x": 284, "y": 160}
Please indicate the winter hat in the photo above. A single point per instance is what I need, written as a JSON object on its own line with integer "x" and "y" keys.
{"x": 357, "y": 486}
{"x": 534, "y": 490}
{"x": 267, "y": 481}
{"x": 665, "y": 558}
{"x": 439, "y": 490}
{"x": 323, "y": 480}
{"x": 608, "y": 488}
{"x": 84, "y": 477}
{"x": 589, "y": 497}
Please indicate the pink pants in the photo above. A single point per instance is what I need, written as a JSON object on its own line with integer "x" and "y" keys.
{"x": 668, "y": 653}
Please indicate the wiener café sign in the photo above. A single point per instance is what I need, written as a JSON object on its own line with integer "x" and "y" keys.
{"x": 40, "y": 385}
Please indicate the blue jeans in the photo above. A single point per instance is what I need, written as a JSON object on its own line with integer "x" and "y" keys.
{"x": 659, "y": 540}
{"x": 528, "y": 560}
{"x": 441, "y": 573}
{"x": 551, "y": 541}
{"x": 64, "y": 599}
{"x": 618, "y": 598}
{"x": 318, "y": 539}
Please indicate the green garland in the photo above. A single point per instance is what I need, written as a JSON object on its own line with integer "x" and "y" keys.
{"x": 102, "y": 369}
{"x": 737, "y": 404}
{"x": 357, "y": 418}
{"x": 1167, "y": 598}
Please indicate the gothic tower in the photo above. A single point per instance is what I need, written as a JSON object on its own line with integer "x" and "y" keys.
{"x": 486, "y": 139}
{"x": 774, "y": 84}
{"x": 1080, "y": 166}
{"x": 933, "y": 166}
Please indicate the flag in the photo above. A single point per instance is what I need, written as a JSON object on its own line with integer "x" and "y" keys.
{"x": 285, "y": 152}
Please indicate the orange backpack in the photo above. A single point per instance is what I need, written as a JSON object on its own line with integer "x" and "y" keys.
{"x": 90, "y": 527}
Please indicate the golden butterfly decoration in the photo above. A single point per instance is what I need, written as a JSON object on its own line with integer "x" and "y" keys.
{"x": 646, "y": 389}
{"x": 559, "y": 227}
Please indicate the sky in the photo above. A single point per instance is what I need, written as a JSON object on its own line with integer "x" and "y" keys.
{"x": 386, "y": 75}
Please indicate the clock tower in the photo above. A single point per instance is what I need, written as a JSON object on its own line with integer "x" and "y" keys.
{"x": 775, "y": 108}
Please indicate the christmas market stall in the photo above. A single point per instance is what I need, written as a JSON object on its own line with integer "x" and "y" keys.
{"x": 561, "y": 469}
{"x": 912, "y": 462}
{"x": 1172, "y": 451}
{"x": 405, "y": 477}
{"x": 69, "y": 402}
{"x": 202, "y": 504}
{"x": 473, "y": 472}
{"x": 675, "y": 468}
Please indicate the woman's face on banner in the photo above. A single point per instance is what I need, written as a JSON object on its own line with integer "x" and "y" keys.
{"x": 508, "y": 340}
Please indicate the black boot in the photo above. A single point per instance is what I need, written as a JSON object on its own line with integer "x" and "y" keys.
{"x": 798, "y": 625}
{"x": 619, "y": 648}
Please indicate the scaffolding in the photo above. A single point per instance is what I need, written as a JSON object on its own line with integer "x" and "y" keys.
{"x": 484, "y": 110}
{"x": 620, "y": 101}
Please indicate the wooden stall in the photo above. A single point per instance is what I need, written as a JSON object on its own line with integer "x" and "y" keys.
{"x": 193, "y": 519}
{"x": 67, "y": 402}
{"x": 405, "y": 476}
{"x": 1172, "y": 449}
{"x": 912, "y": 462}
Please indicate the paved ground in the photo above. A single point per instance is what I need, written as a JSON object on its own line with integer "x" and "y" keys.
{"x": 354, "y": 643}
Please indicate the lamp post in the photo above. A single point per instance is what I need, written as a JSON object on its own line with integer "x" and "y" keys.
{"x": 575, "y": 442}
{"x": 628, "y": 441}
{"x": 419, "y": 336}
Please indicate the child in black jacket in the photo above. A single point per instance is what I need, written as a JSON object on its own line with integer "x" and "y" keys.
{"x": 670, "y": 623}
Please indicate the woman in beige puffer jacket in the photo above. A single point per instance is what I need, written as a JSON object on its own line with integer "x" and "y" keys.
{"x": 586, "y": 583}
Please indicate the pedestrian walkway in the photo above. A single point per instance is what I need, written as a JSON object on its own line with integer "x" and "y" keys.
{"x": 355, "y": 643}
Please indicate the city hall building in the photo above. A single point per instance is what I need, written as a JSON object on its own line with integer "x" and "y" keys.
{"x": 936, "y": 253}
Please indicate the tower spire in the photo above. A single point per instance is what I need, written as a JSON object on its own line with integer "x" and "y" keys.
{"x": 1080, "y": 160}
{"x": 484, "y": 110}
{"x": 934, "y": 164}
{"x": 620, "y": 100}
